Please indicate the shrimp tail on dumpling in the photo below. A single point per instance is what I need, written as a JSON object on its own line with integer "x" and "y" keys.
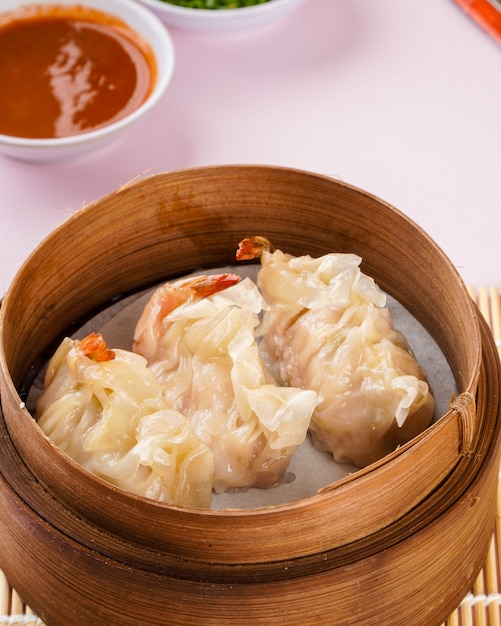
{"x": 165, "y": 299}
{"x": 201, "y": 346}
{"x": 328, "y": 329}
{"x": 104, "y": 408}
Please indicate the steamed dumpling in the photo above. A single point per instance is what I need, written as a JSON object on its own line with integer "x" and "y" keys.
{"x": 327, "y": 329}
{"x": 105, "y": 410}
{"x": 201, "y": 346}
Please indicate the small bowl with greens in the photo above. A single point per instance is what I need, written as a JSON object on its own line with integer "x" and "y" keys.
{"x": 219, "y": 15}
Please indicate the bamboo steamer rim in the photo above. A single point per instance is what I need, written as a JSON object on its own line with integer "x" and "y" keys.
{"x": 171, "y": 223}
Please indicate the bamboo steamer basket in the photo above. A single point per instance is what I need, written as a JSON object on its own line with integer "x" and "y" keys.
{"x": 400, "y": 541}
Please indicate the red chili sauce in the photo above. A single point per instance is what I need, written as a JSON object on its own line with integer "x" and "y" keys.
{"x": 69, "y": 70}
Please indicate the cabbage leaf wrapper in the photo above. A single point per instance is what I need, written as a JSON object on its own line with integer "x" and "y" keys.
{"x": 109, "y": 416}
{"x": 327, "y": 329}
{"x": 204, "y": 352}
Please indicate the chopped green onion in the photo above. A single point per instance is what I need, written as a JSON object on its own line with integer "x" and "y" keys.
{"x": 215, "y": 4}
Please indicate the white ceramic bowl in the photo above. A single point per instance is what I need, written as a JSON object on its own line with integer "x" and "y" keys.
{"x": 221, "y": 19}
{"x": 152, "y": 30}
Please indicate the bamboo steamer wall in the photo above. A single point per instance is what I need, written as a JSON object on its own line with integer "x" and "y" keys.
{"x": 398, "y": 542}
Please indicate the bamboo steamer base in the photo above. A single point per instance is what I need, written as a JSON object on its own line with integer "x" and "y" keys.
{"x": 418, "y": 580}
{"x": 400, "y": 542}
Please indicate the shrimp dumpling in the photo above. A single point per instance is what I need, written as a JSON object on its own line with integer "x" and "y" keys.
{"x": 327, "y": 329}
{"x": 105, "y": 410}
{"x": 200, "y": 344}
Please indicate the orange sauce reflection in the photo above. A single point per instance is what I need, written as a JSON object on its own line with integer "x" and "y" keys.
{"x": 68, "y": 70}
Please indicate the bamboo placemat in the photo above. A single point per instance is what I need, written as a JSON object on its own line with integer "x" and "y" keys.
{"x": 480, "y": 607}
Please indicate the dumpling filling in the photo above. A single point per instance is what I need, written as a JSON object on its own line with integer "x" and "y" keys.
{"x": 105, "y": 410}
{"x": 327, "y": 329}
{"x": 201, "y": 347}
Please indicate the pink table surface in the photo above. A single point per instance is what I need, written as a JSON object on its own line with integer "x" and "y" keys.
{"x": 398, "y": 97}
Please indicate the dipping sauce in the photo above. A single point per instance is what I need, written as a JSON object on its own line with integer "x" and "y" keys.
{"x": 68, "y": 70}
